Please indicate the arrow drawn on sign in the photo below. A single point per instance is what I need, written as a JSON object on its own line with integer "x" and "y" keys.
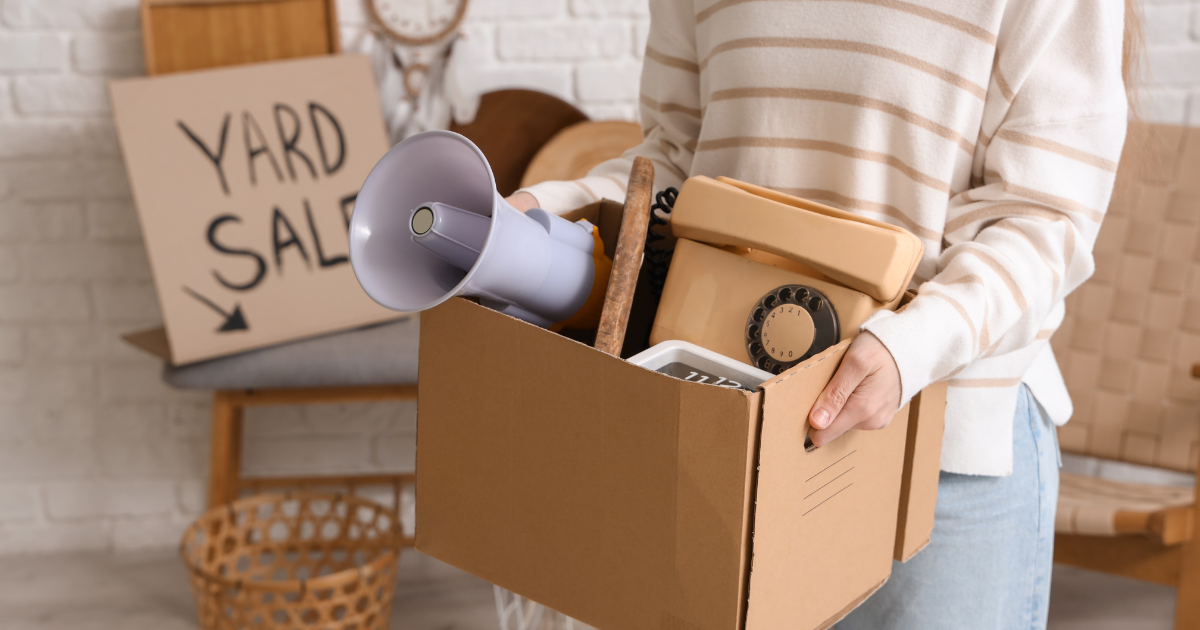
{"x": 233, "y": 321}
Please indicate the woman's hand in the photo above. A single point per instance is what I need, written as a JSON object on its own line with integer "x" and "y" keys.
{"x": 522, "y": 201}
{"x": 864, "y": 392}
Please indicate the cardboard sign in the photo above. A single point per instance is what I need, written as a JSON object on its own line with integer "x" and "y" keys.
{"x": 244, "y": 180}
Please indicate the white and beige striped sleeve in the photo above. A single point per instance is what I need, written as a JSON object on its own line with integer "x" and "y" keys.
{"x": 1019, "y": 241}
{"x": 669, "y": 112}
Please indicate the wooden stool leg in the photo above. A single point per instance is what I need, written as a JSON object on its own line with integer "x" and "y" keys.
{"x": 1187, "y": 600}
{"x": 226, "y": 457}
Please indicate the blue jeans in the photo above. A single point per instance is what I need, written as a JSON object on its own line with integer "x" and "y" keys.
{"x": 988, "y": 563}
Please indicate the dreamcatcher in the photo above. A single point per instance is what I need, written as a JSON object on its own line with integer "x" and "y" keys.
{"x": 414, "y": 46}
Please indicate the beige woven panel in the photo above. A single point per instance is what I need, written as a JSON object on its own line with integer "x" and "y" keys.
{"x": 1132, "y": 332}
{"x": 1087, "y": 505}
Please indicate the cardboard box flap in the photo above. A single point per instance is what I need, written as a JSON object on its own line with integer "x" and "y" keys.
{"x": 843, "y": 495}
{"x": 922, "y": 467}
{"x": 605, "y": 215}
{"x": 539, "y": 452}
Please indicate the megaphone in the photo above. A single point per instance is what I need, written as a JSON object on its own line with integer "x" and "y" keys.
{"x": 428, "y": 225}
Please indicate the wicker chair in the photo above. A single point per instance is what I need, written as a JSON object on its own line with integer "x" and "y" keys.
{"x": 1126, "y": 348}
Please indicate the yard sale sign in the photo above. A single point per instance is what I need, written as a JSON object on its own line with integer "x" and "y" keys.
{"x": 244, "y": 180}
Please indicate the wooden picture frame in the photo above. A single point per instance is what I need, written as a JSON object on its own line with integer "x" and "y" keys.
{"x": 181, "y": 35}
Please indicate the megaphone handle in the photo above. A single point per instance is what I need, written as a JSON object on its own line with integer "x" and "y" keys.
{"x": 627, "y": 261}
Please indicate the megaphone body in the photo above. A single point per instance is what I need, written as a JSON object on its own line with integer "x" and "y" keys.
{"x": 429, "y": 225}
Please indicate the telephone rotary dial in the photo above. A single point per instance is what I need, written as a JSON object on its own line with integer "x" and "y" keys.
{"x": 789, "y": 325}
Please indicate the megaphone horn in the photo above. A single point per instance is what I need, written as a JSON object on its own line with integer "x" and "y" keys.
{"x": 429, "y": 225}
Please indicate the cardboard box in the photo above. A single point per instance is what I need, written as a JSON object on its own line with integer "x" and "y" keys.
{"x": 631, "y": 500}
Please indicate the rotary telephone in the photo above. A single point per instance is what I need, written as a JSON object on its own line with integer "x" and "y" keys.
{"x": 770, "y": 279}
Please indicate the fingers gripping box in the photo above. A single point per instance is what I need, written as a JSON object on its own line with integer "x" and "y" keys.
{"x": 633, "y": 500}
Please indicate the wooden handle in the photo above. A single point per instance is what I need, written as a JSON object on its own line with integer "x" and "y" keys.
{"x": 631, "y": 242}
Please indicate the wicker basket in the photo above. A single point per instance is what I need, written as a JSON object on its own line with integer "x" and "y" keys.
{"x": 303, "y": 561}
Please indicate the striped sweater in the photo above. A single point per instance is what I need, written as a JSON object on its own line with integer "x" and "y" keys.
{"x": 990, "y": 129}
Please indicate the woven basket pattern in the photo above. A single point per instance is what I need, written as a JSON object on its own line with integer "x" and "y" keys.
{"x": 1132, "y": 331}
{"x": 302, "y": 561}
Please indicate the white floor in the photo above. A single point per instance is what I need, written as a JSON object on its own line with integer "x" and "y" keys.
{"x": 1086, "y": 600}
{"x": 148, "y": 591}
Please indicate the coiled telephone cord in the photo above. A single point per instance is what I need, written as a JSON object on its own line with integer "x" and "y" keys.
{"x": 658, "y": 253}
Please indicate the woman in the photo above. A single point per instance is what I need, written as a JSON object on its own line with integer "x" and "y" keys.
{"x": 989, "y": 129}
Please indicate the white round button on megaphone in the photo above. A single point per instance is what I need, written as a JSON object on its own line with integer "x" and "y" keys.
{"x": 429, "y": 225}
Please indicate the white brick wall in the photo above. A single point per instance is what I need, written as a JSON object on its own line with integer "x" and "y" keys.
{"x": 566, "y": 47}
{"x": 94, "y": 451}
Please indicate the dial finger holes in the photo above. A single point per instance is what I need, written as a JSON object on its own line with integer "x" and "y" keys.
{"x": 788, "y": 325}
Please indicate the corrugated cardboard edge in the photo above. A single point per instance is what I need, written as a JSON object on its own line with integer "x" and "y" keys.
{"x": 155, "y": 341}
{"x": 922, "y": 464}
{"x": 152, "y": 340}
{"x": 747, "y": 558}
{"x": 850, "y": 608}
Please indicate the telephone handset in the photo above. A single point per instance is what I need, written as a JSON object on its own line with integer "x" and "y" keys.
{"x": 770, "y": 279}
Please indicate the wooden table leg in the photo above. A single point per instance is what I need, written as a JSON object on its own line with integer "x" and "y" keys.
{"x": 226, "y": 456}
